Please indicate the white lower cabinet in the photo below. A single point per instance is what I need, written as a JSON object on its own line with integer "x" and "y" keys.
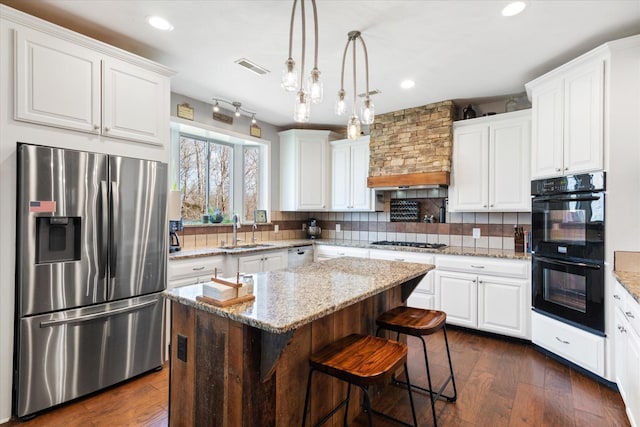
{"x": 423, "y": 294}
{"x": 262, "y": 261}
{"x": 627, "y": 352}
{"x": 580, "y": 347}
{"x": 488, "y": 294}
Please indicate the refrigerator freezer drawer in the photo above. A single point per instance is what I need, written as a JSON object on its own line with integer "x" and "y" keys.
{"x": 69, "y": 354}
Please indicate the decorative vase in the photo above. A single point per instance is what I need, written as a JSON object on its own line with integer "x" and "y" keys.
{"x": 468, "y": 112}
{"x": 217, "y": 216}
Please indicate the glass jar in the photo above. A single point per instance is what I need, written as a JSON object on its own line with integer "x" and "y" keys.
{"x": 511, "y": 105}
{"x": 247, "y": 280}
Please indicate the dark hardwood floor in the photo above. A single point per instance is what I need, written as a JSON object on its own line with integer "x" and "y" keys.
{"x": 500, "y": 383}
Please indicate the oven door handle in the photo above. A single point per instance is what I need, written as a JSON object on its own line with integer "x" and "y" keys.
{"x": 569, "y": 263}
{"x": 583, "y": 198}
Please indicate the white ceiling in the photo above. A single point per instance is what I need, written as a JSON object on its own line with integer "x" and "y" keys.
{"x": 459, "y": 50}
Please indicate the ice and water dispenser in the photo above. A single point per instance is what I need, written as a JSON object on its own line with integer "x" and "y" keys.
{"x": 58, "y": 238}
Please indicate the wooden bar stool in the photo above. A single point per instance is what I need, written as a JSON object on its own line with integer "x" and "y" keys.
{"x": 360, "y": 360}
{"x": 420, "y": 322}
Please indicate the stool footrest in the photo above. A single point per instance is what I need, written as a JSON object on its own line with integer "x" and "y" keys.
{"x": 434, "y": 395}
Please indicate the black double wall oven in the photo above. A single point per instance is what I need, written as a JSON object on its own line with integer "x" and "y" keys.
{"x": 567, "y": 237}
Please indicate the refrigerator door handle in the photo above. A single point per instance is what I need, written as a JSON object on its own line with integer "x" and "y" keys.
{"x": 115, "y": 222}
{"x": 104, "y": 232}
{"x": 88, "y": 317}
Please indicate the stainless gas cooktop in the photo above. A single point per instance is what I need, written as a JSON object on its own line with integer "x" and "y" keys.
{"x": 410, "y": 244}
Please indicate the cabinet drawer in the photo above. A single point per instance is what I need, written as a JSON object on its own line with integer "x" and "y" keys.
{"x": 480, "y": 265}
{"x": 421, "y": 300}
{"x": 580, "y": 347}
{"x": 325, "y": 252}
{"x": 195, "y": 267}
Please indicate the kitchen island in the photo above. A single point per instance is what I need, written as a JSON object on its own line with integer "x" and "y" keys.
{"x": 247, "y": 364}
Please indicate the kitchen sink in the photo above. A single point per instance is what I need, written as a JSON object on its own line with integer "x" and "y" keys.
{"x": 247, "y": 246}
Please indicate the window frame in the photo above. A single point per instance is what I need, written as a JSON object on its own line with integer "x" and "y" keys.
{"x": 237, "y": 142}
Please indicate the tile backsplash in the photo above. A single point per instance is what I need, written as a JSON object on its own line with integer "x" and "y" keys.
{"x": 496, "y": 228}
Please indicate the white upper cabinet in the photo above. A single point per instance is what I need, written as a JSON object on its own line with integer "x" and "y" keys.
{"x": 70, "y": 85}
{"x": 349, "y": 171}
{"x": 568, "y": 120}
{"x": 305, "y": 169}
{"x": 491, "y": 164}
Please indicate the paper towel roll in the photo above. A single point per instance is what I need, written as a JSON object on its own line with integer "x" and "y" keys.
{"x": 175, "y": 205}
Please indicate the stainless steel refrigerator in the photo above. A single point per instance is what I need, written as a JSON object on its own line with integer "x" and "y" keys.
{"x": 90, "y": 268}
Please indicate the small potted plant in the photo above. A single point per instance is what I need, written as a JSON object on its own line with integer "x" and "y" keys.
{"x": 215, "y": 216}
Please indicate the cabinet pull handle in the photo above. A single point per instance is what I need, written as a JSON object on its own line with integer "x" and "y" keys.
{"x": 477, "y": 266}
{"x": 198, "y": 268}
{"x": 96, "y": 127}
{"x": 629, "y": 314}
{"x": 563, "y": 341}
{"x": 399, "y": 259}
{"x": 616, "y": 296}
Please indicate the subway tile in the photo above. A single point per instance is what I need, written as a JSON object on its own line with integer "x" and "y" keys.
{"x": 432, "y": 238}
{"x": 411, "y": 227}
{"x": 421, "y": 237}
{"x": 391, "y": 236}
{"x": 524, "y": 218}
{"x": 410, "y": 237}
{"x": 482, "y": 218}
{"x": 482, "y": 242}
{"x": 363, "y": 236}
{"x": 444, "y": 238}
{"x": 468, "y": 242}
{"x": 495, "y": 217}
{"x": 401, "y": 237}
{"x": 468, "y": 217}
{"x": 339, "y": 216}
{"x": 330, "y": 234}
{"x": 372, "y": 216}
{"x": 456, "y": 240}
{"x": 510, "y": 218}
{"x": 347, "y": 235}
{"x": 372, "y": 226}
{"x": 348, "y": 216}
{"x": 381, "y": 226}
{"x": 495, "y": 242}
{"x": 382, "y": 216}
{"x": 455, "y": 217}
{"x": 444, "y": 228}
{"x": 455, "y": 229}
{"x": 364, "y": 216}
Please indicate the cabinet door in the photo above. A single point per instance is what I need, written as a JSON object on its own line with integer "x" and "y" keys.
{"x": 274, "y": 261}
{"x": 57, "y": 82}
{"x": 633, "y": 376}
{"x": 547, "y": 135}
{"x": 312, "y": 172}
{"x": 250, "y": 263}
{"x": 360, "y": 194}
{"x": 340, "y": 177}
{"x": 620, "y": 350}
{"x": 503, "y": 306}
{"x": 135, "y": 105}
{"x": 456, "y": 295}
{"x": 583, "y": 118}
{"x": 469, "y": 189}
{"x": 509, "y": 165}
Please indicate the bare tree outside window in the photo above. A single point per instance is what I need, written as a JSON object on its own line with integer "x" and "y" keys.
{"x": 251, "y": 181}
{"x": 220, "y": 178}
{"x": 193, "y": 185}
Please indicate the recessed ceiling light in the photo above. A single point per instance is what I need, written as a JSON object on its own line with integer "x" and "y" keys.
{"x": 407, "y": 84}
{"x": 159, "y": 23}
{"x": 513, "y": 8}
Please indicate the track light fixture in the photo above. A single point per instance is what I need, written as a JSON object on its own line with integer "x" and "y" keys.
{"x": 238, "y": 109}
{"x": 291, "y": 81}
{"x": 368, "y": 109}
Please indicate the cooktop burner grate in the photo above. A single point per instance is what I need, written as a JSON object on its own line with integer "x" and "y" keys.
{"x": 410, "y": 244}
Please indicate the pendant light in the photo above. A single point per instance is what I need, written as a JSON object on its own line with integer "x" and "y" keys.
{"x": 291, "y": 81}
{"x": 368, "y": 110}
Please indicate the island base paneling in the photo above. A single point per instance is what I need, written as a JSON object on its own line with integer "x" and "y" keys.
{"x": 221, "y": 383}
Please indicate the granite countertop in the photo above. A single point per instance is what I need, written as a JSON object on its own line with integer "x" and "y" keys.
{"x": 241, "y": 249}
{"x": 630, "y": 280}
{"x": 288, "y": 299}
{"x": 448, "y": 250}
{"x": 285, "y": 244}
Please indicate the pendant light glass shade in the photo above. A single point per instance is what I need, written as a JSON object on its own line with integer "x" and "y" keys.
{"x": 291, "y": 81}
{"x": 341, "y": 105}
{"x": 368, "y": 111}
{"x": 353, "y": 127}
{"x": 289, "y": 76}
{"x": 302, "y": 106}
{"x": 314, "y": 86}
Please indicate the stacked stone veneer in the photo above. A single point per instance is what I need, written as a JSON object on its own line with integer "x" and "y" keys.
{"x": 413, "y": 140}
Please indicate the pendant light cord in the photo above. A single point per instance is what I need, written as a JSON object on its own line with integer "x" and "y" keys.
{"x": 293, "y": 14}
{"x": 304, "y": 42}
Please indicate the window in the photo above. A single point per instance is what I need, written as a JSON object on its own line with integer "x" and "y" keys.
{"x": 220, "y": 178}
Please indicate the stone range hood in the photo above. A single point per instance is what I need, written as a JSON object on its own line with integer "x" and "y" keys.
{"x": 412, "y": 148}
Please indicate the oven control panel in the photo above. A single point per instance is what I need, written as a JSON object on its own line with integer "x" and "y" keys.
{"x": 594, "y": 181}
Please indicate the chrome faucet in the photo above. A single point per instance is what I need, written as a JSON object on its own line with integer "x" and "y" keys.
{"x": 254, "y": 227}
{"x": 234, "y": 220}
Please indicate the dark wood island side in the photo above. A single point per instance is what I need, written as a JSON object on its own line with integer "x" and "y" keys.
{"x": 247, "y": 364}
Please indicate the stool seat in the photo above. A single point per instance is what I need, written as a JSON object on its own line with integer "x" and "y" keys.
{"x": 360, "y": 359}
{"x": 412, "y": 321}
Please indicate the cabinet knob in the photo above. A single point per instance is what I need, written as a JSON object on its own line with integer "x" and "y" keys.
{"x": 622, "y": 329}
{"x": 491, "y": 206}
{"x": 106, "y": 129}
{"x": 616, "y": 296}
{"x": 629, "y": 315}
{"x": 473, "y": 281}
{"x": 566, "y": 168}
{"x": 96, "y": 127}
{"x": 480, "y": 281}
{"x": 558, "y": 169}
{"x": 484, "y": 206}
